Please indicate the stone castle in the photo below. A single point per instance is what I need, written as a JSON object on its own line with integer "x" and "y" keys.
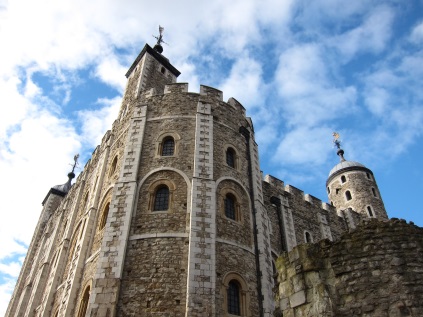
{"x": 171, "y": 216}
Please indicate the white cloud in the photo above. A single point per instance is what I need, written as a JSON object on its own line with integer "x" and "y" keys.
{"x": 417, "y": 33}
{"x": 110, "y": 71}
{"x": 371, "y": 36}
{"x": 12, "y": 268}
{"x": 6, "y": 290}
{"x": 95, "y": 123}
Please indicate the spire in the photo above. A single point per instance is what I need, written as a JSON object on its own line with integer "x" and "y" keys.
{"x": 337, "y": 143}
{"x": 66, "y": 186}
{"x": 158, "y": 47}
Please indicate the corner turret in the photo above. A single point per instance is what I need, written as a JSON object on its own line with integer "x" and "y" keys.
{"x": 352, "y": 185}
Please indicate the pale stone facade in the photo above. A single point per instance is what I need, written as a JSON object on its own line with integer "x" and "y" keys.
{"x": 110, "y": 246}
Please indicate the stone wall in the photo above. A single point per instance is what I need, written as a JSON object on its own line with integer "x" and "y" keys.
{"x": 376, "y": 270}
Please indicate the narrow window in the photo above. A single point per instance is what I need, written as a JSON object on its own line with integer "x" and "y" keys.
{"x": 84, "y": 303}
{"x": 369, "y": 210}
{"x": 230, "y": 157}
{"x": 374, "y": 192}
{"x": 104, "y": 216}
{"x": 113, "y": 166}
{"x": 343, "y": 179}
{"x": 161, "y": 199}
{"x": 368, "y": 175}
{"x": 307, "y": 236}
{"x": 162, "y": 70}
{"x": 234, "y": 306}
{"x": 348, "y": 195}
{"x": 168, "y": 146}
{"x": 230, "y": 206}
{"x": 328, "y": 190}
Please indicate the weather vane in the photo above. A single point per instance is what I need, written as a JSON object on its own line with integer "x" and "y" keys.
{"x": 75, "y": 159}
{"x": 160, "y": 37}
{"x": 336, "y": 140}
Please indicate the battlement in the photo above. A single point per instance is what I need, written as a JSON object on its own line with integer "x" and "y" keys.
{"x": 297, "y": 193}
{"x": 206, "y": 91}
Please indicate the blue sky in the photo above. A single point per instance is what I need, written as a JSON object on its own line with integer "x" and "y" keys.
{"x": 302, "y": 69}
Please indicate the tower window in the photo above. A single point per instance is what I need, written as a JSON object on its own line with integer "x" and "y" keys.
{"x": 168, "y": 147}
{"x": 113, "y": 166}
{"x": 374, "y": 192}
{"x": 328, "y": 190}
{"x": 233, "y": 297}
{"x": 163, "y": 70}
{"x": 343, "y": 179}
{"x": 161, "y": 199}
{"x": 348, "y": 195}
{"x": 369, "y": 210}
{"x": 230, "y": 157}
{"x": 230, "y": 206}
{"x": 84, "y": 303}
{"x": 368, "y": 175}
{"x": 104, "y": 216}
{"x": 307, "y": 237}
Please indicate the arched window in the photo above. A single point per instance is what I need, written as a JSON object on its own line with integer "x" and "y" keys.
{"x": 343, "y": 179}
{"x": 233, "y": 298}
{"x": 348, "y": 195}
{"x": 230, "y": 206}
{"x": 370, "y": 211}
{"x": 113, "y": 166}
{"x": 161, "y": 198}
{"x": 307, "y": 237}
{"x": 168, "y": 147}
{"x": 230, "y": 157}
{"x": 84, "y": 303}
{"x": 104, "y": 215}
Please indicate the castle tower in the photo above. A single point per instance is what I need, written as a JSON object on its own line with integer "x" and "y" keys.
{"x": 352, "y": 185}
{"x": 167, "y": 217}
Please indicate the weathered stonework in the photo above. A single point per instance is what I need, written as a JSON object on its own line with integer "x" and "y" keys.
{"x": 376, "y": 270}
{"x": 102, "y": 248}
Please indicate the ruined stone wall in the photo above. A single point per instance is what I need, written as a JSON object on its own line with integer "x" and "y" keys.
{"x": 376, "y": 270}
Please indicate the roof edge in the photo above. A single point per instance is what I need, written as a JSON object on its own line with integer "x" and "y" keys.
{"x": 347, "y": 169}
{"x": 147, "y": 49}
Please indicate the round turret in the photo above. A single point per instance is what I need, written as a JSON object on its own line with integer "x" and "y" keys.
{"x": 352, "y": 185}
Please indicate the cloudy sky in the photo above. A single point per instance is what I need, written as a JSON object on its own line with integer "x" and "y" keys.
{"x": 303, "y": 69}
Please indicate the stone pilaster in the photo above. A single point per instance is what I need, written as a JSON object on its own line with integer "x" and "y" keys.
{"x": 201, "y": 284}
{"x": 104, "y": 296}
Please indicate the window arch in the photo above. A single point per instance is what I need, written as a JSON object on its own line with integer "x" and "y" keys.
{"x": 348, "y": 195}
{"x": 104, "y": 215}
{"x": 235, "y": 294}
{"x": 370, "y": 212}
{"x": 233, "y": 297}
{"x": 307, "y": 237}
{"x": 230, "y": 157}
{"x": 161, "y": 195}
{"x": 343, "y": 179}
{"x": 83, "y": 305}
{"x": 168, "y": 146}
{"x": 230, "y": 202}
{"x": 113, "y": 166}
{"x": 161, "y": 198}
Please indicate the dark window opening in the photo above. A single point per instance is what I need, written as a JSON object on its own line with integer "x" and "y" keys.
{"x": 162, "y": 70}
{"x": 161, "y": 199}
{"x": 308, "y": 237}
{"x": 343, "y": 179}
{"x": 234, "y": 298}
{"x": 348, "y": 195}
{"x": 374, "y": 192}
{"x": 168, "y": 147}
{"x": 368, "y": 175}
{"x": 328, "y": 190}
{"x": 369, "y": 209}
{"x": 230, "y": 157}
{"x": 230, "y": 207}
{"x": 104, "y": 216}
